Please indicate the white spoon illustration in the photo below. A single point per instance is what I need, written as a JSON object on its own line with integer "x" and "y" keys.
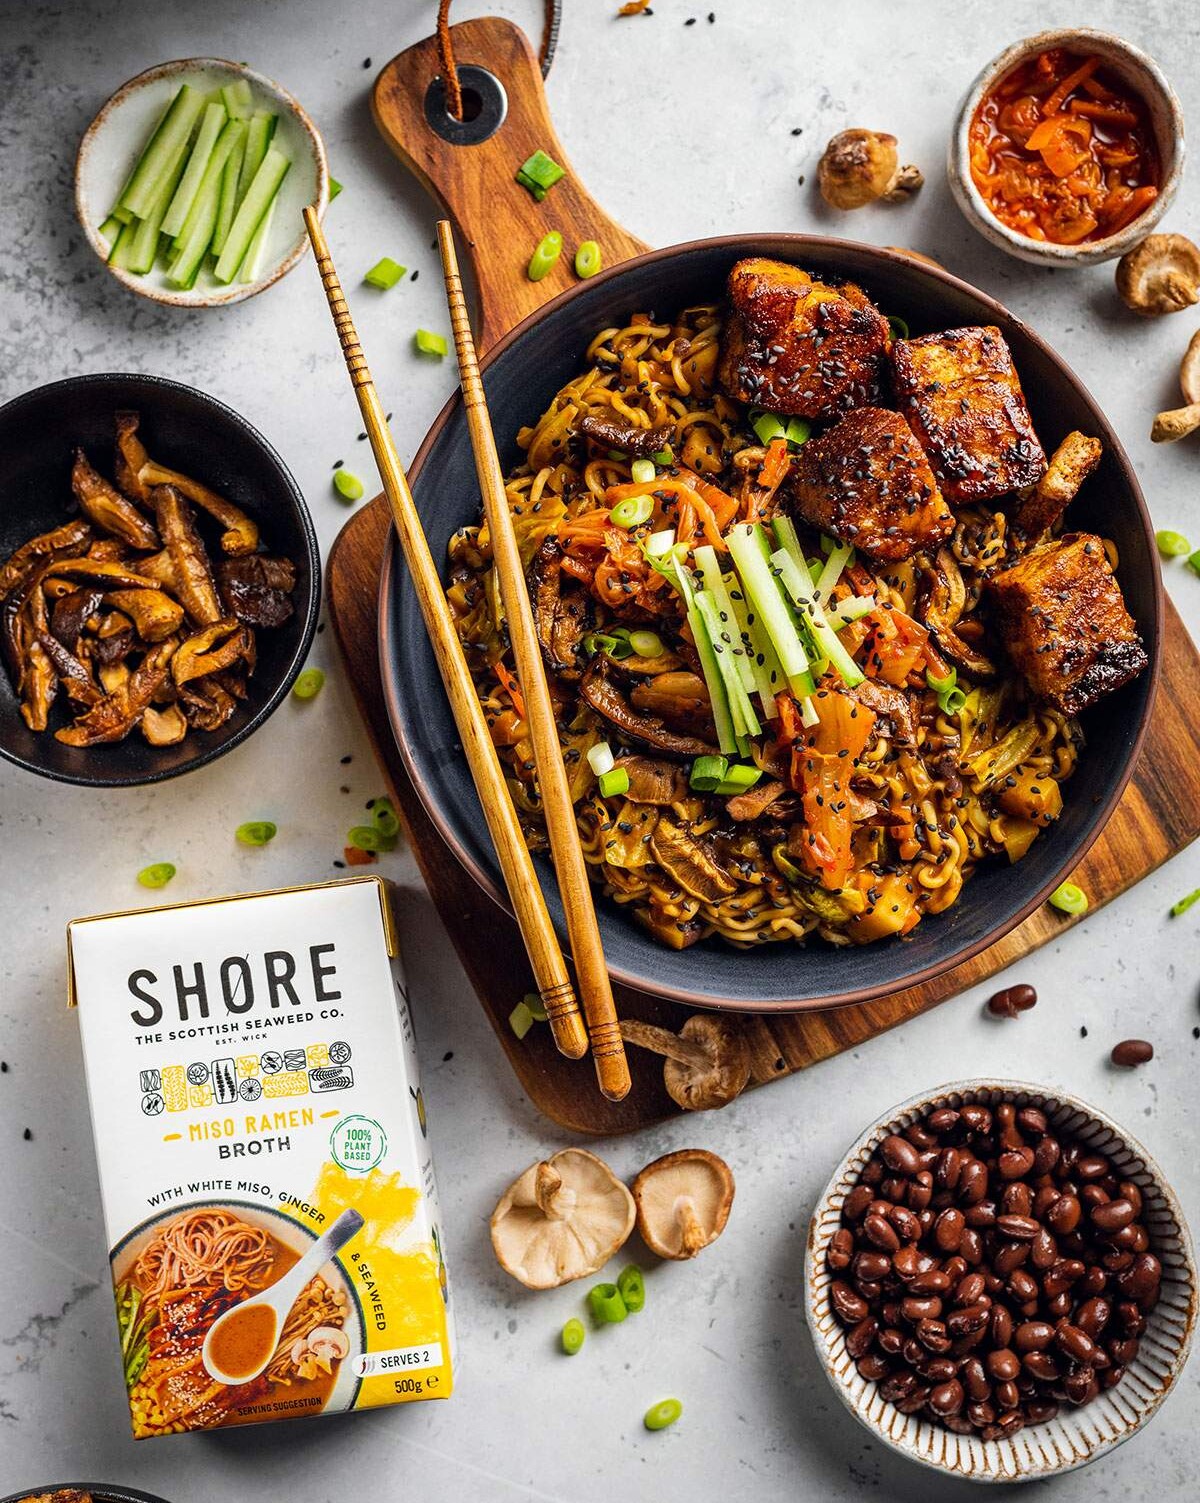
{"x": 258, "y": 1337}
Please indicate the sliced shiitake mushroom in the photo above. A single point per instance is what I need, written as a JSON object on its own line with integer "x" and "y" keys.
{"x": 108, "y": 508}
{"x": 561, "y": 1220}
{"x": 683, "y": 1202}
{"x": 190, "y": 569}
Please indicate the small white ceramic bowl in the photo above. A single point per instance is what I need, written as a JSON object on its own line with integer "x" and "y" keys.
{"x": 1133, "y": 67}
{"x": 111, "y": 145}
{"x": 1075, "y": 1436}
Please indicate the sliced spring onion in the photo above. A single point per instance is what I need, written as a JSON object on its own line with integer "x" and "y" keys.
{"x": 348, "y": 486}
{"x": 309, "y": 684}
{"x": 367, "y": 838}
{"x": 259, "y": 197}
{"x": 334, "y": 188}
{"x": 606, "y": 1304}
{"x": 739, "y": 777}
{"x": 573, "y": 1336}
{"x": 539, "y": 173}
{"x": 708, "y": 773}
{"x": 536, "y": 1006}
{"x": 384, "y": 816}
{"x": 211, "y": 125}
{"x": 632, "y": 1288}
{"x": 941, "y": 685}
{"x": 428, "y": 343}
{"x": 1194, "y": 561}
{"x": 1170, "y": 544}
{"x": 546, "y": 253}
{"x": 157, "y": 875}
{"x": 663, "y": 456}
{"x": 587, "y": 259}
{"x": 952, "y": 701}
{"x": 632, "y": 512}
{"x": 798, "y": 431}
{"x": 898, "y": 326}
{"x": 520, "y": 1020}
{"x": 660, "y": 543}
{"x": 1069, "y": 898}
{"x": 642, "y": 470}
{"x": 385, "y": 273}
{"x": 751, "y": 554}
{"x": 646, "y": 644}
{"x": 600, "y": 758}
{"x": 660, "y": 1415}
{"x": 237, "y": 98}
{"x": 767, "y": 426}
{"x": 174, "y": 130}
{"x": 614, "y": 782}
{"x": 1185, "y": 903}
{"x": 256, "y": 832}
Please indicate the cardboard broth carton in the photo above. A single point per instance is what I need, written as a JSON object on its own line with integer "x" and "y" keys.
{"x": 265, "y": 1171}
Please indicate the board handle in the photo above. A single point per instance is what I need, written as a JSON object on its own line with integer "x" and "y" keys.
{"x": 497, "y": 221}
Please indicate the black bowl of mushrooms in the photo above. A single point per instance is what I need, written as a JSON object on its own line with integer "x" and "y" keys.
{"x": 159, "y": 579}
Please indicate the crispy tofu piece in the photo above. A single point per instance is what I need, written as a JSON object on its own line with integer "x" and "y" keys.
{"x": 960, "y": 391}
{"x": 798, "y": 346}
{"x": 867, "y": 482}
{"x": 1063, "y": 619}
{"x": 1070, "y": 465}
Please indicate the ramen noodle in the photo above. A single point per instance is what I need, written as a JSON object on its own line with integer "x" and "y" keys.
{"x": 216, "y": 1186}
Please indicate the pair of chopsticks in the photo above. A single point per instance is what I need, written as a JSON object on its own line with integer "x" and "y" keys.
{"x": 541, "y": 943}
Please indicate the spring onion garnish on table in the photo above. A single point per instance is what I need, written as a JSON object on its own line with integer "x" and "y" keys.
{"x": 256, "y": 832}
{"x": 1194, "y": 561}
{"x": 1184, "y": 904}
{"x": 539, "y": 173}
{"x": 587, "y": 259}
{"x": 660, "y": 1415}
{"x": 156, "y": 875}
{"x": 631, "y": 1286}
{"x": 1069, "y": 899}
{"x": 384, "y": 274}
{"x": 546, "y": 253}
{"x": 348, "y": 486}
{"x": 1172, "y": 544}
{"x": 202, "y": 192}
{"x": 309, "y": 684}
{"x": 428, "y": 343}
{"x": 521, "y": 1020}
{"x": 573, "y": 1336}
{"x": 606, "y": 1305}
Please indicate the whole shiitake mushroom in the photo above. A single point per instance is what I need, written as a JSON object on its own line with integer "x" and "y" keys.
{"x": 859, "y": 166}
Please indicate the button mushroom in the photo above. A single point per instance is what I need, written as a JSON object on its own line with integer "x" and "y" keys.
{"x": 707, "y": 1061}
{"x": 683, "y": 1202}
{"x": 1180, "y": 421}
{"x": 1161, "y": 274}
{"x": 859, "y": 166}
{"x": 562, "y": 1220}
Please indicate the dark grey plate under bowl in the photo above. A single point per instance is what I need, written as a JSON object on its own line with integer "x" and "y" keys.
{"x": 188, "y": 431}
{"x": 102, "y": 1492}
{"x": 521, "y": 375}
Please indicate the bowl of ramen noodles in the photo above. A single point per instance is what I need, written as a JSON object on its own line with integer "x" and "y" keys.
{"x": 176, "y": 1276}
{"x": 847, "y": 599}
{"x": 81, "y": 1492}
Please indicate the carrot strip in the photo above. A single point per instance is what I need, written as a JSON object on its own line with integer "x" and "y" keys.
{"x": 1069, "y": 84}
{"x": 510, "y": 683}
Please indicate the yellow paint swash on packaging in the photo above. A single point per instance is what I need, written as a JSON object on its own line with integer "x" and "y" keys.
{"x": 253, "y": 1078}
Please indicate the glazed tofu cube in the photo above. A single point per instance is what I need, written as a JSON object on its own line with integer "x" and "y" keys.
{"x": 1063, "y": 619}
{"x": 867, "y": 482}
{"x": 961, "y": 393}
{"x": 798, "y": 346}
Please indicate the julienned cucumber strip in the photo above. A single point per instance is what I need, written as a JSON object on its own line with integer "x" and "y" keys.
{"x": 710, "y": 571}
{"x": 831, "y": 572}
{"x": 123, "y": 249}
{"x": 238, "y": 98}
{"x": 174, "y": 129}
{"x": 145, "y": 242}
{"x": 853, "y": 608}
{"x": 259, "y": 133}
{"x": 751, "y": 553}
{"x": 229, "y": 185}
{"x": 193, "y": 174}
{"x": 261, "y": 192}
{"x": 111, "y": 229}
{"x": 764, "y": 665}
{"x": 202, "y": 218}
{"x": 678, "y": 574}
{"x": 253, "y": 259}
{"x": 797, "y": 580}
{"x": 745, "y": 721}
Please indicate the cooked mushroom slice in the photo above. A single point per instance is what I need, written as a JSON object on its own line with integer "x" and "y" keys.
{"x": 108, "y": 508}
{"x": 256, "y": 589}
{"x": 72, "y": 674}
{"x": 190, "y": 570}
{"x": 689, "y": 863}
{"x": 158, "y": 567}
{"x": 218, "y": 646}
{"x": 859, "y": 166}
{"x": 164, "y": 727}
{"x": 71, "y": 612}
{"x": 707, "y": 1061}
{"x": 66, "y": 540}
{"x": 114, "y": 638}
{"x": 944, "y": 597}
{"x": 138, "y": 474}
{"x": 679, "y": 698}
{"x": 606, "y": 699}
{"x": 113, "y": 675}
{"x": 117, "y": 713}
{"x": 562, "y": 1220}
{"x": 206, "y": 705}
{"x": 654, "y": 782}
{"x": 613, "y": 433}
{"x": 1042, "y": 504}
{"x": 39, "y": 686}
{"x": 890, "y": 705}
{"x": 108, "y": 574}
{"x": 683, "y": 1202}
{"x": 1180, "y": 421}
{"x": 562, "y": 613}
{"x": 154, "y": 614}
{"x": 1159, "y": 275}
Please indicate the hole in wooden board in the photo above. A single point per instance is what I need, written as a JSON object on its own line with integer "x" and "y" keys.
{"x": 485, "y": 104}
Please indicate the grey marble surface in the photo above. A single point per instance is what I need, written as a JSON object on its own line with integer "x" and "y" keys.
{"x": 680, "y": 131}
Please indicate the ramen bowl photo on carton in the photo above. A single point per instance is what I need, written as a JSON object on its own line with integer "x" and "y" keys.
{"x": 264, "y": 1163}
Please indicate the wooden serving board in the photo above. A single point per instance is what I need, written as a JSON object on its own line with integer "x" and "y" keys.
{"x": 1158, "y": 816}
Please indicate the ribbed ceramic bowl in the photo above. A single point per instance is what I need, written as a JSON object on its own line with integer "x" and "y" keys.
{"x": 1135, "y": 68}
{"x": 1075, "y": 1436}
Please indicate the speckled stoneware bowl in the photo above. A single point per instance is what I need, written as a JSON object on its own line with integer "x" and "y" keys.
{"x": 115, "y": 138}
{"x": 1131, "y": 65}
{"x": 1075, "y": 1436}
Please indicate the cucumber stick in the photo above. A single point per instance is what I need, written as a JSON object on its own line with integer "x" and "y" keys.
{"x": 745, "y": 722}
{"x": 193, "y": 174}
{"x": 174, "y": 130}
{"x": 710, "y": 572}
{"x": 260, "y": 130}
{"x": 145, "y": 242}
{"x": 797, "y": 581}
{"x": 680, "y": 577}
{"x": 123, "y": 248}
{"x": 253, "y": 259}
{"x": 768, "y": 675}
{"x": 263, "y": 188}
{"x": 751, "y": 554}
{"x": 111, "y": 229}
{"x": 238, "y": 98}
{"x": 202, "y": 218}
{"x": 229, "y": 187}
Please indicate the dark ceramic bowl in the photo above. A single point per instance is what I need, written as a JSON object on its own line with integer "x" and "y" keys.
{"x": 201, "y": 437}
{"x": 102, "y": 1492}
{"x": 521, "y": 375}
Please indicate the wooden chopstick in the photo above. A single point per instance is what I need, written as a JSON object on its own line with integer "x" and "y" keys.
{"x": 591, "y": 970}
{"x": 541, "y": 943}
